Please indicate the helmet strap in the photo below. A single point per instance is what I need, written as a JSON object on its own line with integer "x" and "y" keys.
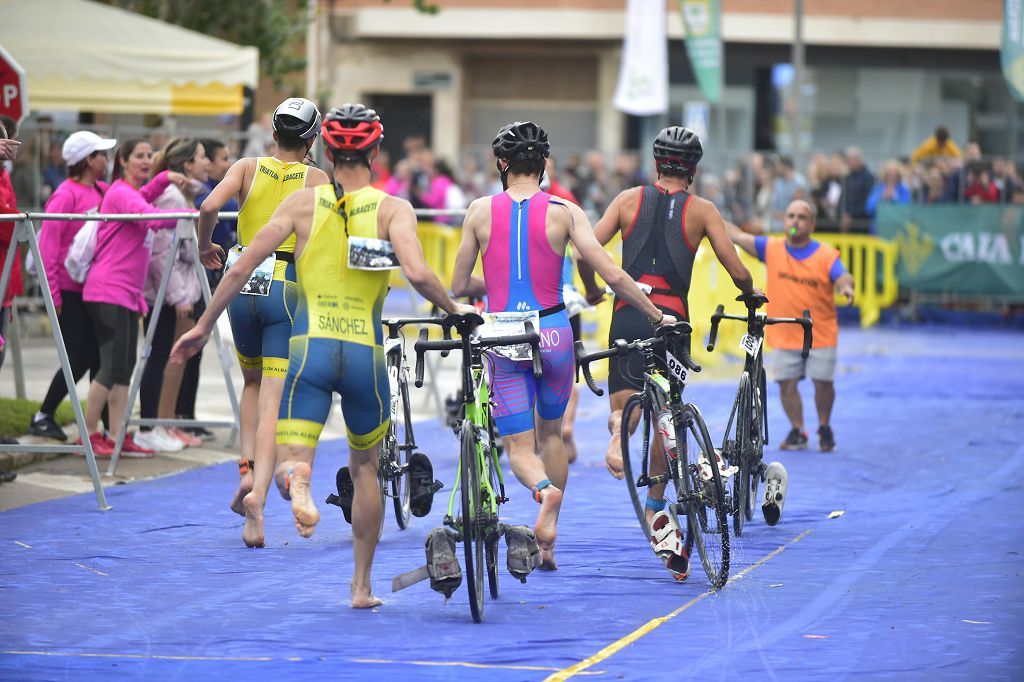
{"x": 502, "y": 173}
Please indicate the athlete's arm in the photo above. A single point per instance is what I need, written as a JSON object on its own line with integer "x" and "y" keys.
{"x": 593, "y": 253}
{"x": 266, "y": 241}
{"x": 212, "y": 254}
{"x": 463, "y": 281}
{"x": 604, "y": 231}
{"x": 316, "y": 176}
{"x": 399, "y": 221}
{"x": 723, "y": 246}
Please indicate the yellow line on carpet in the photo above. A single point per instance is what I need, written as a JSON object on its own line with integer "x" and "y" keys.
{"x": 656, "y": 623}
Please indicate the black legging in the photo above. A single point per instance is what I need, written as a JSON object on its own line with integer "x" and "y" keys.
{"x": 153, "y": 375}
{"x": 83, "y": 352}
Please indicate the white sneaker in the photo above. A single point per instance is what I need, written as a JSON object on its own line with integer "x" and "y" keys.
{"x": 159, "y": 440}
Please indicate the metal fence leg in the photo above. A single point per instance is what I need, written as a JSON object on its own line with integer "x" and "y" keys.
{"x": 15, "y": 341}
{"x": 225, "y": 364}
{"x": 24, "y": 232}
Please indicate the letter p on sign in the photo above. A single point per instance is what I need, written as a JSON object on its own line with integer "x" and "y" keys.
{"x": 13, "y": 94}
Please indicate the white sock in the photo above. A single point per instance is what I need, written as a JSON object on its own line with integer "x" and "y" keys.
{"x": 39, "y": 415}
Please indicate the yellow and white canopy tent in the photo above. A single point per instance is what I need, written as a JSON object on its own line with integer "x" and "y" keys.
{"x": 86, "y": 56}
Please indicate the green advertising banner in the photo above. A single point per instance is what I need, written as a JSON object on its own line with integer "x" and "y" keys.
{"x": 704, "y": 45}
{"x": 962, "y": 249}
{"x": 1012, "y": 53}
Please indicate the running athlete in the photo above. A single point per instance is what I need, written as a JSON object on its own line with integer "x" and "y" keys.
{"x": 336, "y": 342}
{"x": 522, "y": 235}
{"x": 261, "y": 320}
{"x": 662, "y": 225}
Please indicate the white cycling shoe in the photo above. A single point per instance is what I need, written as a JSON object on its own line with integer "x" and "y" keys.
{"x": 667, "y": 543}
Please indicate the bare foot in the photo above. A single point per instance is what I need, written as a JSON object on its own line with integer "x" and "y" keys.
{"x": 252, "y": 534}
{"x": 547, "y": 559}
{"x": 546, "y": 527}
{"x": 244, "y": 488}
{"x": 303, "y": 509}
{"x": 362, "y": 598}
{"x": 613, "y": 460}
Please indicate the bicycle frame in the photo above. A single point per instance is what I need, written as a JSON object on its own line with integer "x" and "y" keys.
{"x": 477, "y": 409}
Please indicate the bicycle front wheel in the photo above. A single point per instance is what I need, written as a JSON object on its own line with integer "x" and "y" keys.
{"x": 400, "y": 491}
{"x": 637, "y": 435}
{"x": 473, "y": 548}
{"x": 707, "y": 526}
{"x": 735, "y": 449}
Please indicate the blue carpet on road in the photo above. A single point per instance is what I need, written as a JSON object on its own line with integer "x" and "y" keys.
{"x": 919, "y": 578}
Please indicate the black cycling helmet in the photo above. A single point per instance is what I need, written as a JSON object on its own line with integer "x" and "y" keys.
{"x": 520, "y": 141}
{"x": 296, "y": 119}
{"x": 677, "y": 151}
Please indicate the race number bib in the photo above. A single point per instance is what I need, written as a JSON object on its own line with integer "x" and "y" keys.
{"x": 508, "y": 323}
{"x": 677, "y": 368}
{"x": 750, "y": 344}
{"x": 365, "y": 253}
{"x": 261, "y": 278}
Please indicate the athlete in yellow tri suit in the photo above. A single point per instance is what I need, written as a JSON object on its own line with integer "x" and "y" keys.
{"x": 336, "y": 339}
{"x": 261, "y": 320}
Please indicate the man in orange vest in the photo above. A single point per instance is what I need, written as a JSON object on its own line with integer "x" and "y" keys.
{"x": 802, "y": 274}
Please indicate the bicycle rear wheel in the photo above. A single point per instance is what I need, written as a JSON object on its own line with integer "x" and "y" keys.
{"x": 473, "y": 547}
{"x": 493, "y": 534}
{"x": 400, "y": 491}
{"x": 707, "y": 525}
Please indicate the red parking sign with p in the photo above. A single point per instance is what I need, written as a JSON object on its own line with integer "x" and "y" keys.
{"x": 13, "y": 93}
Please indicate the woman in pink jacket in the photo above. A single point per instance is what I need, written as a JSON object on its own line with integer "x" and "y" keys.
{"x": 86, "y": 155}
{"x": 113, "y": 288}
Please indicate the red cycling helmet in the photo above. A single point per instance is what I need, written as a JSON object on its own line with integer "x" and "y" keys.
{"x": 352, "y": 131}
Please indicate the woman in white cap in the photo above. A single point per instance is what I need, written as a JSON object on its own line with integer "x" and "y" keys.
{"x": 85, "y": 153}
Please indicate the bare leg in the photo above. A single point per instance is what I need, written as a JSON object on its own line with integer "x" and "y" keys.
{"x": 366, "y": 513}
{"x": 824, "y": 398}
{"x": 266, "y": 459}
{"x": 613, "y": 457}
{"x": 529, "y": 469}
{"x": 94, "y": 404}
{"x": 791, "y": 403}
{"x": 172, "y": 374}
{"x": 248, "y": 419}
{"x": 293, "y": 475}
{"x": 568, "y": 419}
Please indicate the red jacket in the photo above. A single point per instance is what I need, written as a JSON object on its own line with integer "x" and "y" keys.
{"x": 8, "y": 204}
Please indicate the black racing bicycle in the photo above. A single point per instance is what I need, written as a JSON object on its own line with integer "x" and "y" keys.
{"x": 691, "y": 467}
{"x": 403, "y": 474}
{"x": 479, "y": 477}
{"x": 746, "y": 433}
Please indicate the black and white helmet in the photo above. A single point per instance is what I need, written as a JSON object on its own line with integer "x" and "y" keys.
{"x": 521, "y": 140}
{"x": 677, "y": 150}
{"x": 297, "y": 119}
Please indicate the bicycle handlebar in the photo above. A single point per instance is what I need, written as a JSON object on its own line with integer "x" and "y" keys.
{"x": 621, "y": 347}
{"x": 465, "y": 324}
{"x": 752, "y": 304}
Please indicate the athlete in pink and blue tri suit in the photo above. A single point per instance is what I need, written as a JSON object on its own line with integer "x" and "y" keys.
{"x": 522, "y": 234}
{"x": 522, "y": 272}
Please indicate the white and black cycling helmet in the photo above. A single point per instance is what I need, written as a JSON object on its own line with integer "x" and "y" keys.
{"x": 677, "y": 151}
{"x": 297, "y": 118}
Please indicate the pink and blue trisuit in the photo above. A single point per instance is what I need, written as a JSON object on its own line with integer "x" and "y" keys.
{"x": 522, "y": 272}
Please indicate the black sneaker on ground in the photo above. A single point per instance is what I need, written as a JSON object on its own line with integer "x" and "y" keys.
{"x": 826, "y": 439}
{"x": 201, "y": 432}
{"x": 47, "y": 428}
{"x": 796, "y": 440}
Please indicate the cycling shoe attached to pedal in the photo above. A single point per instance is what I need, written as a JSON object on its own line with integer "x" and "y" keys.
{"x": 522, "y": 554}
{"x": 442, "y": 563}
{"x": 667, "y": 543}
{"x": 776, "y": 482}
{"x": 422, "y": 485}
{"x": 346, "y": 491}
